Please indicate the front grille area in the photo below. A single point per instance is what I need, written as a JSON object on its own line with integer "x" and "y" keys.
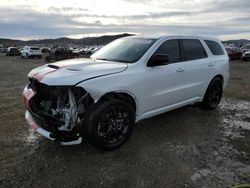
{"x": 41, "y": 122}
{"x": 59, "y": 110}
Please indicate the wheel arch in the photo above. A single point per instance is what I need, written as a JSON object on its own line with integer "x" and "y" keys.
{"x": 206, "y": 103}
{"x": 122, "y": 95}
{"x": 220, "y": 76}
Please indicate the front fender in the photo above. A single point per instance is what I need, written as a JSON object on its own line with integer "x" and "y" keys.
{"x": 121, "y": 83}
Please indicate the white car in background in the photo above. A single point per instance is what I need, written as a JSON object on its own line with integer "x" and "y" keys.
{"x": 245, "y": 52}
{"x": 126, "y": 81}
{"x": 31, "y": 52}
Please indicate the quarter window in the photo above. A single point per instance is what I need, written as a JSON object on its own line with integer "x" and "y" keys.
{"x": 170, "y": 48}
{"x": 192, "y": 49}
{"x": 214, "y": 47}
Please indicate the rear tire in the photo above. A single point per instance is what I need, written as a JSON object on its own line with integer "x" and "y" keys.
{"x": 110, "y": 123}
{"x": 213, "y": 94}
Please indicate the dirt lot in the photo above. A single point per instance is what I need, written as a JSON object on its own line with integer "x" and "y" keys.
{"x": 189, "y": 147}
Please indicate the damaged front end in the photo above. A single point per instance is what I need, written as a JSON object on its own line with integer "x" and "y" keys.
{"x": 56, "y": 112}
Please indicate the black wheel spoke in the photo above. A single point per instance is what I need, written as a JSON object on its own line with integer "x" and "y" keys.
{"x": 113, "y": 124}
{"x": 119, "y": 131}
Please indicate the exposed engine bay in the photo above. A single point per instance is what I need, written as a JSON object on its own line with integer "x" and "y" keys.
{"x": 59, "y": 109}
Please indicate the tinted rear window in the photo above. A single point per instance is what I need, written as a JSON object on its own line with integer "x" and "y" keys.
{"x": 34, "y": 48}
{"x": 192, "y": 49}
{"x": 214, "y": 47}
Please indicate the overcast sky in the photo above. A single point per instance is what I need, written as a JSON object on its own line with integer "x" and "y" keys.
{"x": 39, "y": 19}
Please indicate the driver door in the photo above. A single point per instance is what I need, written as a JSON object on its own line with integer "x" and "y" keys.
{"x": 165, "y": 84}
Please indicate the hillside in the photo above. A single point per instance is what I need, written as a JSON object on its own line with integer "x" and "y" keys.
{"x": 87, "y": 41}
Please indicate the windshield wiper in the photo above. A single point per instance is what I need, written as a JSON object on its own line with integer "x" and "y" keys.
{"x": 103, "y": 59}
{"x": 117, "y": 60}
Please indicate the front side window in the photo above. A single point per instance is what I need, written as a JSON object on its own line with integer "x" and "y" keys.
{"x": 192, "y": 49}
{"x": 170, "y": 48}
{"x": 127, "y": 50}
{"x": 214, "y": 47}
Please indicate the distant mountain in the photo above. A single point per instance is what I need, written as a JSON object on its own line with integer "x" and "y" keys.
{"x": 87, "y": 41}
{"x": 238, "y": 42}
{"x": 8, "y": 42}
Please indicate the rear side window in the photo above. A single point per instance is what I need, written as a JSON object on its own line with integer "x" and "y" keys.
{"x": 192, "y": 49}
{"x": 170, "y": 48}
{"x": 214, "y": 47}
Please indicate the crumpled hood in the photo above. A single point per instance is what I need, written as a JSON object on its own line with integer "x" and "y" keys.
{"x": 71, "y": 72}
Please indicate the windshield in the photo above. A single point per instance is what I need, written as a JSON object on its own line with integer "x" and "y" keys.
{"x": 127, "y": 50}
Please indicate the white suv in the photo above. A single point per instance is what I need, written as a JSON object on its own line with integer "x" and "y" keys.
{"x": 128, "y": 80}
{"x": 31, "y": 52}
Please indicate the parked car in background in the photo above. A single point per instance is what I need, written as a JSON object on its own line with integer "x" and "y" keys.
{"x": 45, "y": 50}
{"x": 88, "y": 51}
{"x": 234, "y": 52}
{"x": 3, "y": 50}
{"x": 31, "y": 52}
{"x": 81, "y": 51}
{"x": 128, "y": 80}
{"x": 246, "y": 55}
{"x": 96, "y": 49}
{"x": 58, "y": 53}
{"x": 245, "y": 52}
{"x": 245, "y": 48}
{"x": 76, "y": 52}
{"x": 13, "y": 51}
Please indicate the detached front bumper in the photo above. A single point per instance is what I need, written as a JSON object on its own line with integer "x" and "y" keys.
{"x": 39, "y": 126}
{"x": 36, "y": 127}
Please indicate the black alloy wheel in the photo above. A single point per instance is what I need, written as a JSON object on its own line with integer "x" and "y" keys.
{"x": 110, "y": 123}
{"x": 113, "y": 124}
{"x": 213, "y": 94}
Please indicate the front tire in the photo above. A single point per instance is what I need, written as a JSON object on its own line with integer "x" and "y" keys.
{"x": 213, "y": 94}
{"x": 110, "y": 123}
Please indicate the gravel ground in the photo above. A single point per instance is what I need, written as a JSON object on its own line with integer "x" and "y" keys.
{"x": 188, "y": 147}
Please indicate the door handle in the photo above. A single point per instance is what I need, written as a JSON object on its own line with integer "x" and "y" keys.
{"x": 210, "y": 64}
{"x": 180, "y": 69}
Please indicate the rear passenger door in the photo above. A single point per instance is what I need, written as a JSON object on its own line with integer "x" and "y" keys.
{"x": 198, "y": 68}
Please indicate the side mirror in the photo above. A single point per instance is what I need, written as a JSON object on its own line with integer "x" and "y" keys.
{"x": 158, "y": 60}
